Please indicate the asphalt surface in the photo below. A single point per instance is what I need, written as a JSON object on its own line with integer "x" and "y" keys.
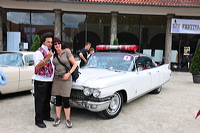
{"x": 171, "y": 111}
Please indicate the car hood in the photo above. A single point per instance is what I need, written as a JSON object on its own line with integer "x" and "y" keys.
{"x": 93, "y": 78}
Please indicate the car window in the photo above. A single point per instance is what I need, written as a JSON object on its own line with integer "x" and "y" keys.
{"x": 11, "y": 59}
{"x": 148, "y": 63}
{"x": 143, "y": 63}
{"x": 29, "y": 60}
{"x": 115, "y": 61}
{"x": 139, "y": 63}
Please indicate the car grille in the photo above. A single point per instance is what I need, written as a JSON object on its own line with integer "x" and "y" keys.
{"x": 78, "y": 95}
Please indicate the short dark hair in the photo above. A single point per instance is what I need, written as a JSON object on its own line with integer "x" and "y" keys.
{"x": 88, "y": 43}
{"x": 44, "y": 36}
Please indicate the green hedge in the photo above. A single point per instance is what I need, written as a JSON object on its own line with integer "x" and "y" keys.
{"x": 195, "y": 65}
{"x": 36, "y": 43}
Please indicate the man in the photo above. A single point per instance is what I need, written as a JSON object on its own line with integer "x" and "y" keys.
{"x": 44, "y": 72}
{"x": 84, "y": 53}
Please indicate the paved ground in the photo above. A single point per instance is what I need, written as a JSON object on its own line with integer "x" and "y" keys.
{"x": 172, "y": 111}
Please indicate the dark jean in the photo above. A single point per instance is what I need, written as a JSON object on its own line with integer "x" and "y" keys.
{"x": 42, "y": 94}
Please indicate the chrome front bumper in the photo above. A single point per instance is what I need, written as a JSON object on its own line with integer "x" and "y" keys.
{"x": 89, "y": 105}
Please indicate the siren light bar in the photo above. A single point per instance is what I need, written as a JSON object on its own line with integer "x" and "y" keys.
{"x": 117, "y": 47}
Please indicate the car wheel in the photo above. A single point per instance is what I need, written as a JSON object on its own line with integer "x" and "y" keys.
{"x": 157, "y": 90}
{"x": 114, "y": 108}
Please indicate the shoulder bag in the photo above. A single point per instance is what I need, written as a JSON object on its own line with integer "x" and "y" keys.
{"x": 75, "y": 73}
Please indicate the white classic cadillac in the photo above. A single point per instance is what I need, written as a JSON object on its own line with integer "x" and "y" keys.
{"x": 110, "y": 79}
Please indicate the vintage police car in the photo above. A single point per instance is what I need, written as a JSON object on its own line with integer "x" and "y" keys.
{"x": 110, "y": 79}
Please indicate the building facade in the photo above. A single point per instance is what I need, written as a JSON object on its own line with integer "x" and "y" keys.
{"x": 143, "y": 23}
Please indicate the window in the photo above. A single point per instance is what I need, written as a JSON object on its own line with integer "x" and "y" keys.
{"x": 128, "y": 29}
{"x": 19, "y": 22}
{"x": 28, "y": 24}
{"x": 29, "y": 60}
{"x": 41, "y": 22}
{"x": 73, "y": 31}
{"x": 98, "y": 28}
{"x": 148, "y": 63}
{"x": 143, "y": 63}
{"x": 153, "y": 30}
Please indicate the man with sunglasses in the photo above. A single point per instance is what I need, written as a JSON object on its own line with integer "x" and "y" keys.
{"x": 44, "y": 71}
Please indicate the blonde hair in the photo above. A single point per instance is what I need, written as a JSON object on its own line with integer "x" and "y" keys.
{"x": 91, "y": 49}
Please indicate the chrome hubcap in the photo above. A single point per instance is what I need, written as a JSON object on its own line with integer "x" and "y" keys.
{"x": 114, "y": 104}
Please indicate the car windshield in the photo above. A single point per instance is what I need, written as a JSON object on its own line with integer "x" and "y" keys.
{"x": 116, "y": 61}
{"x": 11, "y": 59}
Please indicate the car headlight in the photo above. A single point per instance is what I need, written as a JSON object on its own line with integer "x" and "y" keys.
{"x": 96, "y": 93}
{"x": 87, "y": 91}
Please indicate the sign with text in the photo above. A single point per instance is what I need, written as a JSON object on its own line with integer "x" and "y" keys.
{"x": 185, "y": 26}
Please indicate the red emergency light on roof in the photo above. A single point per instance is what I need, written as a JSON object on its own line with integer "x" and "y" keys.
{"x": 117, "y": 47}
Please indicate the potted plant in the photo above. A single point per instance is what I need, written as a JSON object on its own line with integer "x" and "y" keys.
{"x": 36, "y": 43}
{"x": 195, "y": 65}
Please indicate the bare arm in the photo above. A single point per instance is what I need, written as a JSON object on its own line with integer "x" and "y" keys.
{"x": 74, "y": 65}
{"x": 43, "y": 62}
{"x": 82, "y": 57}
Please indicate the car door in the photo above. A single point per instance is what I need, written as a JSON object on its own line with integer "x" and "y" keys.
{"x": 164, "y": 73}
{"x": 26, "y": 73}
{"x": 11, "y": 70}
{"x": 12, "y": 74}
{"x": 153, "y": 70}
{"x": 142, "y": 80}
{"x": 155, "y": 77}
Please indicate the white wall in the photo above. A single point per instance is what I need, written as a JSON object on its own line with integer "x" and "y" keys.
{"x": 13, "y": 40}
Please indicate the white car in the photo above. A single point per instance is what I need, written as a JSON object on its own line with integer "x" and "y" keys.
{"x": 110, "y": 79}
{"x": 19, "y": 69}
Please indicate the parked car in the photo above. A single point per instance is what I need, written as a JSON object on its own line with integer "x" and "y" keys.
{"x": 18, "y": 68}
{"x": 110, "y": 79}
{"x": 77, "y": 58}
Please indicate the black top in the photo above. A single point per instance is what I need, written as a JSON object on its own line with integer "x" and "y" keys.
{"x": 85, "y": 53}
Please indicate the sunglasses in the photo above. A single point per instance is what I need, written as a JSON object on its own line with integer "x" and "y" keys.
{"x": 56, "y": 43}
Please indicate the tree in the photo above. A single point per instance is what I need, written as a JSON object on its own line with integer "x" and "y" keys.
{"x": 115, "y": 42}
{"x": 195, "y": 65}
{"x": 36, "y": 43}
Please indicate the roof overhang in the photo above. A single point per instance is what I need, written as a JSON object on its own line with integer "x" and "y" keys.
{"x": 100, "y": 7}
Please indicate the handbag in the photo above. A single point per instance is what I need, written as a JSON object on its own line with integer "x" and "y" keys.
{"x": 75, "y": 73}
